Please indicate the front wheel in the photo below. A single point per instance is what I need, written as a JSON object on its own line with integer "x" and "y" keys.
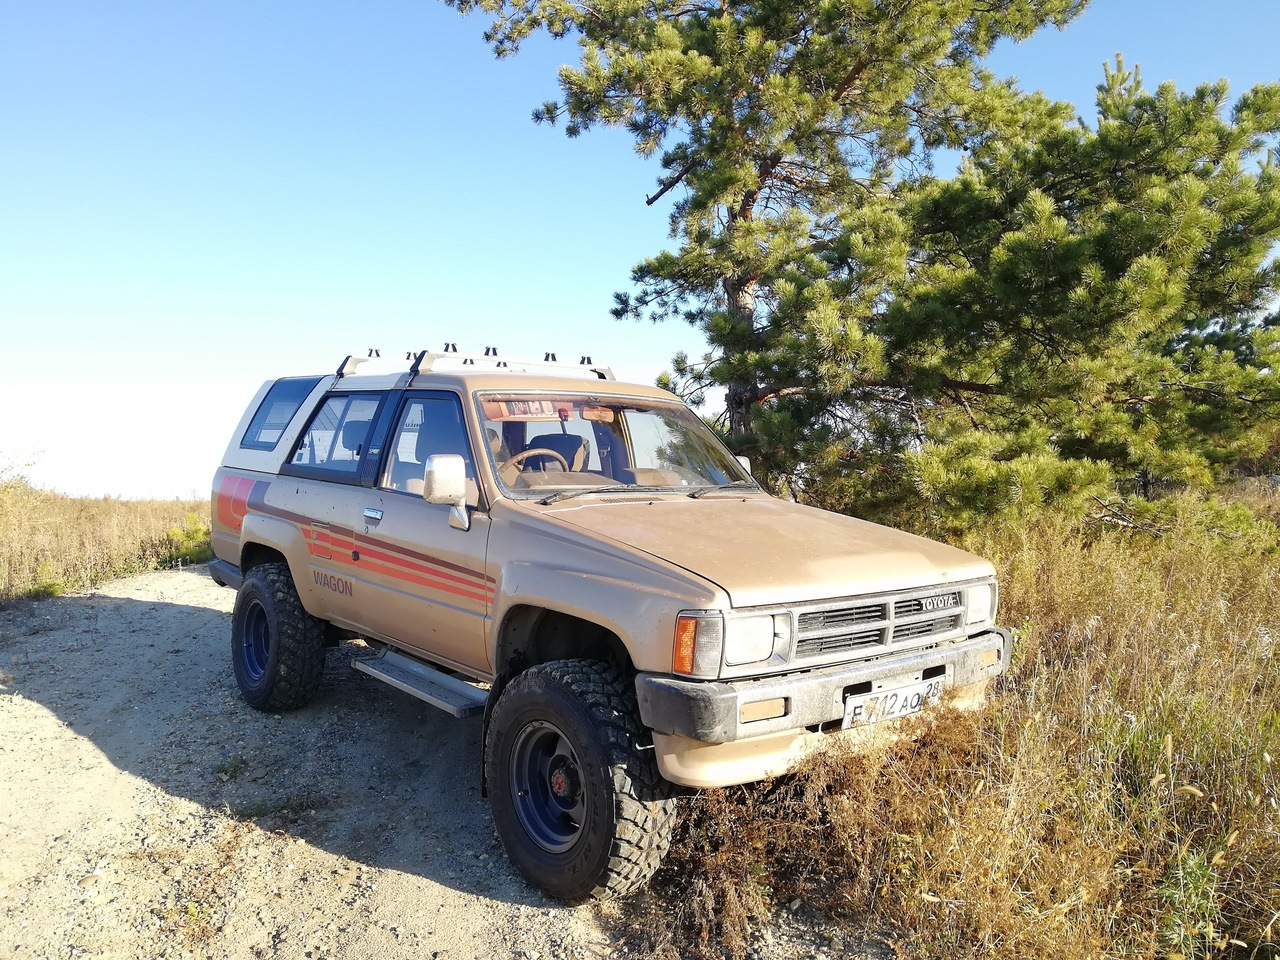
{"x": 277, "y": 648}
{"x": 580, "y": 806}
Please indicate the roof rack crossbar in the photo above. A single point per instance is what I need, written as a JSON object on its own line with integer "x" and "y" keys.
{"x": 350, "y": 362}
{"x": 423, "y": 361}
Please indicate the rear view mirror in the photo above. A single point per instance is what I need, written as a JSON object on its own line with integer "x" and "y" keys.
{"x": 444, "y": 481}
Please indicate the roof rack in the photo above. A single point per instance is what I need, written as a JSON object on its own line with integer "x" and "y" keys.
{"x": 350, "y": 362}
{"x": 425, "y": 361}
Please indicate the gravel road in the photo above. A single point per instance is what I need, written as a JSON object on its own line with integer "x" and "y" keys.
{"x": 146, "y": 811}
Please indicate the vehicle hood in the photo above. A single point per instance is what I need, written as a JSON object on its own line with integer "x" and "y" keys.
{"x": 761, "y": 550}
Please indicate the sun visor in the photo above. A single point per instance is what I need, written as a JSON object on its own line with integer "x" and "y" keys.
{"x": 543, "y": 409}
{"x": 499, "y": 410}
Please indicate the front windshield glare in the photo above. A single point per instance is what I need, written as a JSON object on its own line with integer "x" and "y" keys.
{"x": 542, "y": 445}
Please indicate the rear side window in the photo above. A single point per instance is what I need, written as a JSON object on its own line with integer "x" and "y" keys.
{"x": 338, "y": 435}
{"x": 276, "y": 410}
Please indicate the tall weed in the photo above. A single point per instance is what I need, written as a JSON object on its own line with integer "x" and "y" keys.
{"x": 50, "y": 544}
{"x": 1117, "y": 797}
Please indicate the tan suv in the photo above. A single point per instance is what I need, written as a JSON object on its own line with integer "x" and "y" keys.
{"x": 585, "y": 564}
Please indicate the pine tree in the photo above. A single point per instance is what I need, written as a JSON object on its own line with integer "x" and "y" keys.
{"x": 1080, "y": 304}
{"x": 1088, "y": 304}
{"x": 785, "y": 128}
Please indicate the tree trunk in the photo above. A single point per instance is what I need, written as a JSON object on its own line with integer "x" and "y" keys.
{"x": 743, "y": 393}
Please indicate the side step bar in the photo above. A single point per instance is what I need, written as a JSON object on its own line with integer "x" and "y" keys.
{"x": 225, "y": 574}
{"x": 450, "y": 694}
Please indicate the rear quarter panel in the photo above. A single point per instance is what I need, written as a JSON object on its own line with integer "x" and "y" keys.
{"x": 240, "y": 502}
{"x": 270, "y": 461}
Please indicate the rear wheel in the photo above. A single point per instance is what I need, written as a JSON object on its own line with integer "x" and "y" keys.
{"x": 277, "y": 648}
{"x": 580, "y": 806}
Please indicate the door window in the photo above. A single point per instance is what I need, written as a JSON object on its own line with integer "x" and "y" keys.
{"x": 338, "y": 435}
{"x": 428, "y": 426}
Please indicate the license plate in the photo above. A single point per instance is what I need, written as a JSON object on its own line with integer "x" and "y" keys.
{"x": 888, "y": 704}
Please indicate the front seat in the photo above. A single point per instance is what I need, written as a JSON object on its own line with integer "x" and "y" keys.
{"x": 442, "y": 432}
{"x": 354, "y": 434}
{"x": 570, "y": 446}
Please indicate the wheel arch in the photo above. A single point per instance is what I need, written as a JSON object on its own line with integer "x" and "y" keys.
{"x": 267, "y": 539}
{"x": 530, "y": 635}
{"x": 255, "y": 554}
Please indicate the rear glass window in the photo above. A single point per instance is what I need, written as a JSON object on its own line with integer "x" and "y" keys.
{"x": 276, "y": 410}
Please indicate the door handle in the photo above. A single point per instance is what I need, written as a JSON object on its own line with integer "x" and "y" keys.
{"x": 371, "y": 513}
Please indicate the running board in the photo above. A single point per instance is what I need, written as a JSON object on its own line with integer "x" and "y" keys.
{"x": 450, "y": 694}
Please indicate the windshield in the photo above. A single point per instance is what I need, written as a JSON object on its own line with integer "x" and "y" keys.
{"x": 548, "y": 444}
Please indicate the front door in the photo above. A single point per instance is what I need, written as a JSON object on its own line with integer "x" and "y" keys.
{"x": 432, "y": 591}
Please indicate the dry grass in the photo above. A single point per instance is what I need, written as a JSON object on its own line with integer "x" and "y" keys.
{"x": 50, "y": 543}
{"x": 1118, "y": 797}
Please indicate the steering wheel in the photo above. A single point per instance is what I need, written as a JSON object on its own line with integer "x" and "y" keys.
{"x": 524, "y": 455}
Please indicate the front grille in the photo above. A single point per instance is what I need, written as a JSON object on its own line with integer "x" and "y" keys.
{"x": 849, "y": 617}
{"x": 923, "y": 628}
{"x": 877, "y": 626}
{"x": 840, "y": 643}
{"x": 943, "y": 601}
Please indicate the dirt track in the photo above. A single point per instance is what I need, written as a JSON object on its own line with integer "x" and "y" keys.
{"x": 146, "y": 811}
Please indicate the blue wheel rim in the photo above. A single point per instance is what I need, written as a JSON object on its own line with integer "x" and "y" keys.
{"x": 255, "y": 645}
{"x": 547, "y": 787}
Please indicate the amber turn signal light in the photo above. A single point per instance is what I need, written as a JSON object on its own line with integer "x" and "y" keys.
{"x": 686, "y": 644}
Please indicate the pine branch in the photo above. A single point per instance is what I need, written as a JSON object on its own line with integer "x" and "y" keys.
{"x": 671, "y": 182}
{"x": 1260, "y": 398}
{"x": 989, "y": 389}
{"x": 784, "y": 392}
{"x": 850, "y": 78}
{"x": 1111, "y": 514}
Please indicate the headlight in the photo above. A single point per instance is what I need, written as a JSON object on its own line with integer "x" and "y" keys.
{"x": 703, "y": 638}
{"x": 748, "y": 640}
{"x": 752, "y": 639}
{"x": 982, "y": 603}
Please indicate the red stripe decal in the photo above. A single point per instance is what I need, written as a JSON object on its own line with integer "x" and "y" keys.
{"x": 233, "y": 500}
{"x": 237, "y": 496}
{"x": 369, "y": 548}
{"x": 396, "y": 574}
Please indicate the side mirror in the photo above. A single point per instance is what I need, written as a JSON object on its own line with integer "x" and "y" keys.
{"x": 746, "y": 463}
{"x": 444, "y": 481}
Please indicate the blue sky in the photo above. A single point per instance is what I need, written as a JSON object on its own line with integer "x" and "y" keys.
{"x": 195, "y": 197}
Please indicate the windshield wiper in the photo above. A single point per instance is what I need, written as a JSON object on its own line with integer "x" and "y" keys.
{"x": 611, "y": 488}
{"x": 732, "y": 485}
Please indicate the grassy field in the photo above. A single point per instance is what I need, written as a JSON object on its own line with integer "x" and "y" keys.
{"x": 1118, "y": 798}
{"x": 50, "y": 544}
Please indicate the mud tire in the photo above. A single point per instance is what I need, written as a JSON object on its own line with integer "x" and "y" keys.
{"x": 629, "y": 808}
{"x": 277, "y": 648}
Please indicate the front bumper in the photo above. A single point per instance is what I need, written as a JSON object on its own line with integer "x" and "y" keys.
{"x": 711, "y": 711}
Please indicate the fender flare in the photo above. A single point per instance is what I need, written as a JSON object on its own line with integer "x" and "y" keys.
{"x": 286, "y": 538}
{"x": 637, "y": 611}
